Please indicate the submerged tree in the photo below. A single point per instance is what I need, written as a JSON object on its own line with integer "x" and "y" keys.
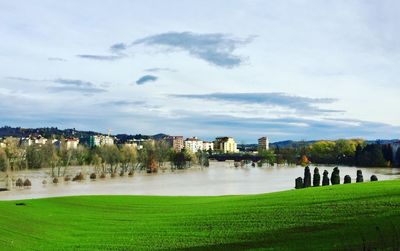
{"x": 202, "y": 158}
{"x": 304, "y": 160}
{"x": 325, "y": 178}
{"x": 316, "y": 177}
{"x": 161, "y": 152}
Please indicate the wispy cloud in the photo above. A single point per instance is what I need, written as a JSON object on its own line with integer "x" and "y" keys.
{"x": 160, "y": 69}
{"x": 65, "y": 85}
{"x": 124, "y": 103}
{"x": 118, "y": 48}
{"x": 101, "y": 57}
{"x": 56, "y": 59}
{"x": 302, "y": 104}
{"x": 215, "y": 48}
{"x": 75, "y": 85}
{"x": 145, "y": 79}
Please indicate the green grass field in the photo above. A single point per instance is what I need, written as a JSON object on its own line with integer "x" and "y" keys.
{"x": 343, "y": 217}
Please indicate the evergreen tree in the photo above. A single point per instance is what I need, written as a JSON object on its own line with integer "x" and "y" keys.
{"x": 347, "y": 179}
{"x": 387, "y": 152}
{"x": 374, "y": 178}
{"x": 335, "y": 177}
{"x": 307, "y": 177}
{"x": 397, "y": 157}
{"x": 325, "y": 178}
{"x": 316, "y": 177}
{"x": 299, "y": 183}
{"x": 359, "y": 176}
{"x": 357, "y": 155}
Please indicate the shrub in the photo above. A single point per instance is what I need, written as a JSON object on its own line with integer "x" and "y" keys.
{"x": 19, "y": 182}
{"x": 44, "y": 182}
{"x": 347, "y": 179}
{"x": 259, "y": 164}
{"x": 102, "y": 175}
{"x": 27, "y": 183}
{"x": 55, "y": 180}
{"x": 307, "y": 177}
{"x": 130, "y": 173}
{"x": 122, "y": 173}
{"x": 67, "y": 178}
{"x": 335, "y": 177}
{"x": 92, "y": 176}
{"x": 374, "y": 178}
{"x": 316, "y": 177}
{"x": 112, "y": 175}
{"x": 78, "y": 177}
{"x": 359, "y": 176}
{"x": 299, "y": 183}
{"x": 325, "y": 178}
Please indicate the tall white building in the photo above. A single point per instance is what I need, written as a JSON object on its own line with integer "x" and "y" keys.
{"x": 193, "y": 144}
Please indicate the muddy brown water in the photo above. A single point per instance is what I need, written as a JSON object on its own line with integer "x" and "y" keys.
{"x": 221, "y": 178}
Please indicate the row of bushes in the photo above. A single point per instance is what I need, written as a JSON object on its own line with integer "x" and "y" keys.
{"x": 79, "y": 177}
{"x": 334, "y": 179}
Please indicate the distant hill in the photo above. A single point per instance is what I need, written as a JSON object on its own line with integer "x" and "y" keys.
{"x": 48, "y": 132}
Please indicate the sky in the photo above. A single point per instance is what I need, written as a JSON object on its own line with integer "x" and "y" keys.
{"x": 289, "y": 70}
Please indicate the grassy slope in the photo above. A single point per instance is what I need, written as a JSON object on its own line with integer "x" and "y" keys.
{"x": 335, "y": 217}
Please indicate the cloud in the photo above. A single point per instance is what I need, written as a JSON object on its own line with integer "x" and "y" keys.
{"x": 297, "y": 103}
{"x": 56, "y": 59}
{"x": 101, "y": 57}
{"x": 124, "y": 103}
{"x": 24, "y": 79}
{"x": 215, "y": 48}
{"x": 145, "y": 79}
{"x": 159, "y": 69}
{"x": 117, "y": 48}
{"x": 73, "y": 85}
{"x": 65, "y": 85}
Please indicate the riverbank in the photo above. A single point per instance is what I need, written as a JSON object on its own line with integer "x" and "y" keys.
{"x": 351, "y": 217}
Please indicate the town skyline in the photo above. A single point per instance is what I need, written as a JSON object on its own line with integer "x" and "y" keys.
{"x": 289, "y": 70}
{"x": 160, "y": 135}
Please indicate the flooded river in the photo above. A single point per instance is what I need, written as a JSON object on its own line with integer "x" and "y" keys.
{"x": 221, "y": 178}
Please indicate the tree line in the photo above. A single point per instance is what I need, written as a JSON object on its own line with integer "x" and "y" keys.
{"x": 353, "y": 152}
{"x": 152, "y": 157}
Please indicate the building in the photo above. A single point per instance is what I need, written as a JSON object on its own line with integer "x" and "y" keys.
{"x": 100, "y": 140}
{"x": 176, "y": 142}
{"x": 225, "y": 145}
{"x": 193, "y": 144}
{"x": 263, "y": 143}
{"x": 72, "y": 143}
{"x": 33, "y": 140}
{"x": 208, "y": 145}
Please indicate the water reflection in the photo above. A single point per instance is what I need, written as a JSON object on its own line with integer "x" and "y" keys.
{"x": 221, "y": 178}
